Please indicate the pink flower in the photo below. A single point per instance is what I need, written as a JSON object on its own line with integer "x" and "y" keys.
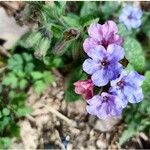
{"x": 84, "y": 88}
{"x": 102, "y": 35}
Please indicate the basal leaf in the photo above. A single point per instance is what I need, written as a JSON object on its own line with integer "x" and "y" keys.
{"x": 146, "y": 84}
{"x": 134, "y": 53}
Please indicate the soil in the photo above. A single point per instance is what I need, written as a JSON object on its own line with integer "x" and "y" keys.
{"x": 55, "y": 123}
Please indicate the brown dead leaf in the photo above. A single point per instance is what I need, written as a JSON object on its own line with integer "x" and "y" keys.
{"x": 12, "y": 7}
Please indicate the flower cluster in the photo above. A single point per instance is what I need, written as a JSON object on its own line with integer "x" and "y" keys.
{"x": 131, "y": 17}
{"x": 103, "y": 65}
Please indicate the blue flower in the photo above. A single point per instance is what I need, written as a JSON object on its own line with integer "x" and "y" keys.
{"x": 128, "y": 88}
{"x": 131, "y": 17}
{"x": 104, "y": 106}
{"x": 104, "y": 63}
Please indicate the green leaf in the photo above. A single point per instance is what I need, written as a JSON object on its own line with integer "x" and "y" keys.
{"x": 20, "y": 74}
{"x": 18, "y": 98}
{"x": 15, "y": 63}
{"x": 1, "y": 88}
{"x": 109, "y": 8}
{"x": 71, "y": 96}
{"x": 134, "y": 53}
{"x": 123, "y": 31}
{"x": 75, "y": 75}
{"x": 129, "y": 68}
{"x": 23, "y": 83}
{"x": 57, "y": 30}
{"x": 10, "y": 80}
{"x": 52, "y": 61}
{"x": 87, "y": 20}
{"x": 39, "y": 86}
{"x": 29, "y": 67}
{"x": 126, "y": 135}
{"x": 5, "y": 142}
{"x": 1, "y": 115}
{"x": 15, "y": 129}
{"x": 145, "y": 24}
{"x": 36, "y": 75}
{"x": 27, "y": 57}
{"x": 72, "y": 20}
{"x": 23, "y": 111}
{"x": 48, "y": 77}
{"x": 6, "y": 111}
{"x": 146, "y": 84}
{"x": 57, "y": 62}
{"x": 60, "y": 7}
{"x": 88, "y": 8}
{"x": 4, "y": 122}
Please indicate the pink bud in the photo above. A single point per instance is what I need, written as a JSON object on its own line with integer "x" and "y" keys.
{"x": 84, "y": 88}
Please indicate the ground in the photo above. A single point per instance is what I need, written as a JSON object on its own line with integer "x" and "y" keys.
{"x": 57, "y": 123}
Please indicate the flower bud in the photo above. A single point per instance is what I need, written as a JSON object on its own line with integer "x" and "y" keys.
{"x": 84, "y": 88}
{"x": 33, "y": 39}
{"x": 42, "y": 48}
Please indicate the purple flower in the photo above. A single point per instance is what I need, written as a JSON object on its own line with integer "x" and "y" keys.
{"x": 104, "y": 106}
{"x": 131, "y": 17}
{"x": 128, "y": 88}
{"x": 102, "y": 35}
{"x": 104, "y": 64}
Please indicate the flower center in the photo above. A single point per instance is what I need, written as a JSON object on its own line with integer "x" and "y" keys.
{"x": 104, "y": 62}
{"x": 105, "y": 98}
{"x": 130, "y": 16}
{"x": 121, "y": 83}
{"x": 105, "y": 43}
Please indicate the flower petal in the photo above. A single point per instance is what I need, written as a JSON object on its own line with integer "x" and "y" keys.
{"x": 95, "y": 31}
{"x": 118, "y": 68}
{"x": 100, "y": 77}
{"x": 91, "y": 110}
{"x": 136, "y": 78}
{"x": 116, "y": 52}
{"x": 136, "y": 23}
{"x": 103, "y": 112}
{"x": 97, "y": 53}
{"x": 108, "y": 28}
{"x": 137, "y": 12}
{"x": 135, "y": 96}
{"x": 89, "y": 44}
{"x": 123, "y": 99}
{"x": 95, "y": 100}
{"x": 117, "y": 40}
{"x": 123, "y": 17}
{"x": 127, "y": 10}
{"x": 116, "y": 112}
{"x": 90, "y": 66}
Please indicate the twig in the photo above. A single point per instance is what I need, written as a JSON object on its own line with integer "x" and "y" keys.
{"x": 61, "y": 116}
{"x": 57, "y": 73}
{"x": 4, "y": 52}
{"x": 56, "y": 113}
{"x": 2, "y": 69}
{"x": 29, "y": 117}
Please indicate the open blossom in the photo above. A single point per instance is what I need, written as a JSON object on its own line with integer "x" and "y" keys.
{"x": 128, "y": 88}
{"x": 104, "y": 106}
{"x": 131, "y": 16}
{"x": 104, "y": 64}
{"x": 84, "y": 88}
{"x": 102, "y": 35}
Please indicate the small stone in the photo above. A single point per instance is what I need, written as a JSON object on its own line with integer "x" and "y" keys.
{"x": 106, "y": 125}
{"x": 101, "y": 144}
